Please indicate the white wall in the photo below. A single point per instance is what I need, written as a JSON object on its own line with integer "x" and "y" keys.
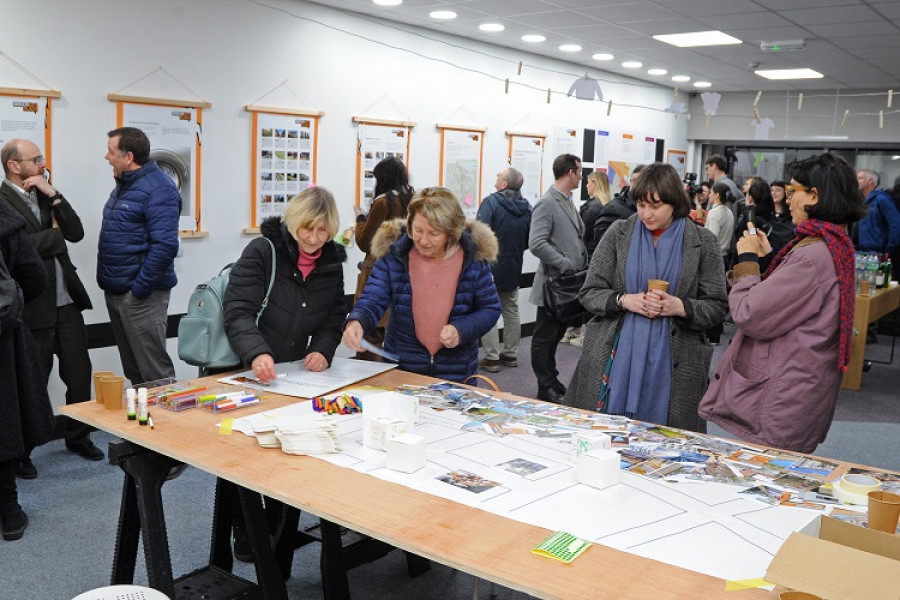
{"x": 233, "y": 52}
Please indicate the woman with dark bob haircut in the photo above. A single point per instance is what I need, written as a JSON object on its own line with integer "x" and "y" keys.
{"x": 646, "y": 354}
{"x": 778, "y": 382}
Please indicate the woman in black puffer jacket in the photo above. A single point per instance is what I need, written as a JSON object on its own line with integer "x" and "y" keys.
{"x": 306, "y": 306}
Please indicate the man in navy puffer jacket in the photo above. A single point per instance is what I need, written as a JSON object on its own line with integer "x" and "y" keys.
{"x": 136, "y": 255}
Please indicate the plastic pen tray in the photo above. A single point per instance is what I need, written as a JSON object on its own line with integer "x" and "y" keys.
{"x": 228, "y": 398}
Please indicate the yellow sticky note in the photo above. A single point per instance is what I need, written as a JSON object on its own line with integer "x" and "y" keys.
{"x": 745, "y": 584}
{"x": 226, "y": 425}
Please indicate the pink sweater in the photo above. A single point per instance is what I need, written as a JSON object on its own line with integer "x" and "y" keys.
{"x": 433, "y": 284}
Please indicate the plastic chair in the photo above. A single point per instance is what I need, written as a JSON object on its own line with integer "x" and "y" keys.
{"x": 122, "y": 592}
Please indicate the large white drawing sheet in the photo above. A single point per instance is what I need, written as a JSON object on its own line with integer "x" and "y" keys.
{"x": 702, "y": 526}
{"x": 294, "y": 380}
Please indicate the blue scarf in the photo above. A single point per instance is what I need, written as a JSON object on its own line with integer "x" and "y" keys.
{"x": 641, "y": 379}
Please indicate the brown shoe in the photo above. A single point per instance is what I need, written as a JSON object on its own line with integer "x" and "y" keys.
{"x": 491, "y": 365}
{"x": 509, "y": 361}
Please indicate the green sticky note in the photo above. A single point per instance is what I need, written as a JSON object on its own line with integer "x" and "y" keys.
{"x": 562, "y": 546}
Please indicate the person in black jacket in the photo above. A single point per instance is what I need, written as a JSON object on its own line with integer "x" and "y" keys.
{"x": 598, "y": 198}
{"x": 306, "y": 307}
{"x": 620, "y": 207}
{"x": 26, "y": 417}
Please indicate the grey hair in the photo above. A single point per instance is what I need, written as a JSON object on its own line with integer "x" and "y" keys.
{"x": 513, "y": 179}
{"x": 871, "y": 175}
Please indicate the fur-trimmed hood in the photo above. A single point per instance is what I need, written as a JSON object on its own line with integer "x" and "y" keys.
{"x": 486, "y": 245}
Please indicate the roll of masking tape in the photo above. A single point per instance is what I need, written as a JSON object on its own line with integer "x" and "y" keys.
{"x": 855, "y": 488}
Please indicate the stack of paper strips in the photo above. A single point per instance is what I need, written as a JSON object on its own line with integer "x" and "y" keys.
{"x": 265, "y": 434}
{"x": 312, "y": 434}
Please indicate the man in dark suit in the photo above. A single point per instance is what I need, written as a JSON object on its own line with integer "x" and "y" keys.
{"x": 54, "y": 317}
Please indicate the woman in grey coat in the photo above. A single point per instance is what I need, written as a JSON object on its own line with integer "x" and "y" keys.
{"x": 660, "y": 369}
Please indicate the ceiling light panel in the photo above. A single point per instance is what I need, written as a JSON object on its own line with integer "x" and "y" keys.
{"x": 781, "y": 74}
{"x": 442, "y": 15}
{"x": 695, "y": 39}
{"x": 491, "y": 27}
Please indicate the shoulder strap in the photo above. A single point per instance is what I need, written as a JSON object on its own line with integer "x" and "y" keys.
{"x": 265, "y": 301}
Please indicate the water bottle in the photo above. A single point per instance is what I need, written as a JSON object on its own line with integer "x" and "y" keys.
{"x": 871, "y": 270}
{"x": 860, "y": 272}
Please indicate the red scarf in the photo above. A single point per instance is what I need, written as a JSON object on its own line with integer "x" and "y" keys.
{"x": 841, "y": 249}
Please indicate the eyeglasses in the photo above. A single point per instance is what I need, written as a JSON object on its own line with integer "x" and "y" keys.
{"x": 795, "y": 187}
{"x": 36, "y": 160}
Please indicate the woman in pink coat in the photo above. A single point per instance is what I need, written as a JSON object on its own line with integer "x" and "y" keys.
{"x": 778, "y": 382}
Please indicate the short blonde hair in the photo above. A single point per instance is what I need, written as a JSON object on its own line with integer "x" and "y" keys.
{"x": 601, "y": 186}
{"x": 441, "y": 209}
{"x": 306, "y": 208}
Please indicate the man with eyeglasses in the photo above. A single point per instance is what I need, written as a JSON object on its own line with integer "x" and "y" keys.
{"x": 54, "y": 318}
{"x": 879, "y": 231}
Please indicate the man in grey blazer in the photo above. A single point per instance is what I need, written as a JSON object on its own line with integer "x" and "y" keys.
{"x": 556, "y": 240}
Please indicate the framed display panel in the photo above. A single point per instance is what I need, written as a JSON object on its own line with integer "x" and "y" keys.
{"x": 526, "y": 155}
{"x": 175, "y": 142}
{"x": 678, "y": 159}
{"x": 284, "y": 159}
{"x": 27, "y": 117}
{"x": 462, "y": 153}
{"x": 377, "y": 140}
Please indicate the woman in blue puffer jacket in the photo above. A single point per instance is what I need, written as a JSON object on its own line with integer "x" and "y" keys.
{"x": 433, "y": 271}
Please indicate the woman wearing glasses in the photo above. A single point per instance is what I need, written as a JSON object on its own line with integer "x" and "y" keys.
{"x": 778, "y": 382}
{"x": 433, "y": 271}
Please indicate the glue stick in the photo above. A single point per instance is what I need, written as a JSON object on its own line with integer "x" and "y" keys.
{"x": 142, "y": 406}
{"x": 130, "y": 401}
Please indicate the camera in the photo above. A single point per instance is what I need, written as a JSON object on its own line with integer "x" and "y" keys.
{"x": 690, "y": 185}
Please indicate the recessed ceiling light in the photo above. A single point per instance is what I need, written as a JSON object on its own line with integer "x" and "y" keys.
{"x": 656, "y": 72}
{"x": 570, "y": 48}
{"x": 789, "y": 74}
{"x": 533, "y": 38}
{"x": 702, "y": 84}
{"x": 603, "y": 56}
{"x": 698, "y": 38}
{"x": 388, "y": 2}
{"x": 442, "y": 14}
{"x": 491, "y": 27}
{"x": 680, "y": 78}
{"x": 632, "y": 64}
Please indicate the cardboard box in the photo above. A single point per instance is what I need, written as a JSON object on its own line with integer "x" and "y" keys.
{"x": 839, "y": 561}
{"x": 406, "y": 453}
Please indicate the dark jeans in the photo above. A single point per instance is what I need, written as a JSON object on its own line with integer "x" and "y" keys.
{"x": 544, "y": 341}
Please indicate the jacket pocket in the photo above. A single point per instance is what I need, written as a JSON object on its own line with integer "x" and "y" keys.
{"x": 744, "y": 395}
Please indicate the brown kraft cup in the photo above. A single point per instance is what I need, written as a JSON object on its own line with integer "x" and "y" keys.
{"x": 884, "y": 511}
{"x": 112, "y": 392}
{"x": 657, "y": 284}
{"x": 98, "y": 392}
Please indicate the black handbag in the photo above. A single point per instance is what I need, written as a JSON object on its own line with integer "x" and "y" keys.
{"x": 561, "y": 296}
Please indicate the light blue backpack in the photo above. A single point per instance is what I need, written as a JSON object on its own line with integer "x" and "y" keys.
{"x": 202, "y": 341}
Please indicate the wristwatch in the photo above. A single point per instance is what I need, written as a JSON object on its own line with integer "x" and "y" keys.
{"x": 55, "y": 199}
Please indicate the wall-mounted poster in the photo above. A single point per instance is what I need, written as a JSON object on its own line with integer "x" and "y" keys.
{"x": 526, "y": 155}
{"x": 26, "y": 117}
{"x": 377, "y": 141}
{"x": 175, "y": 141}
{"x": 678, "y": 159}
{"x": 461, "y": 154}
{"x": 284, "y": 160}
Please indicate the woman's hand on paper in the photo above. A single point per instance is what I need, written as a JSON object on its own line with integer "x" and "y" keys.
{"x": 264, "y": 368}
{"x": 315, "y": 362}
